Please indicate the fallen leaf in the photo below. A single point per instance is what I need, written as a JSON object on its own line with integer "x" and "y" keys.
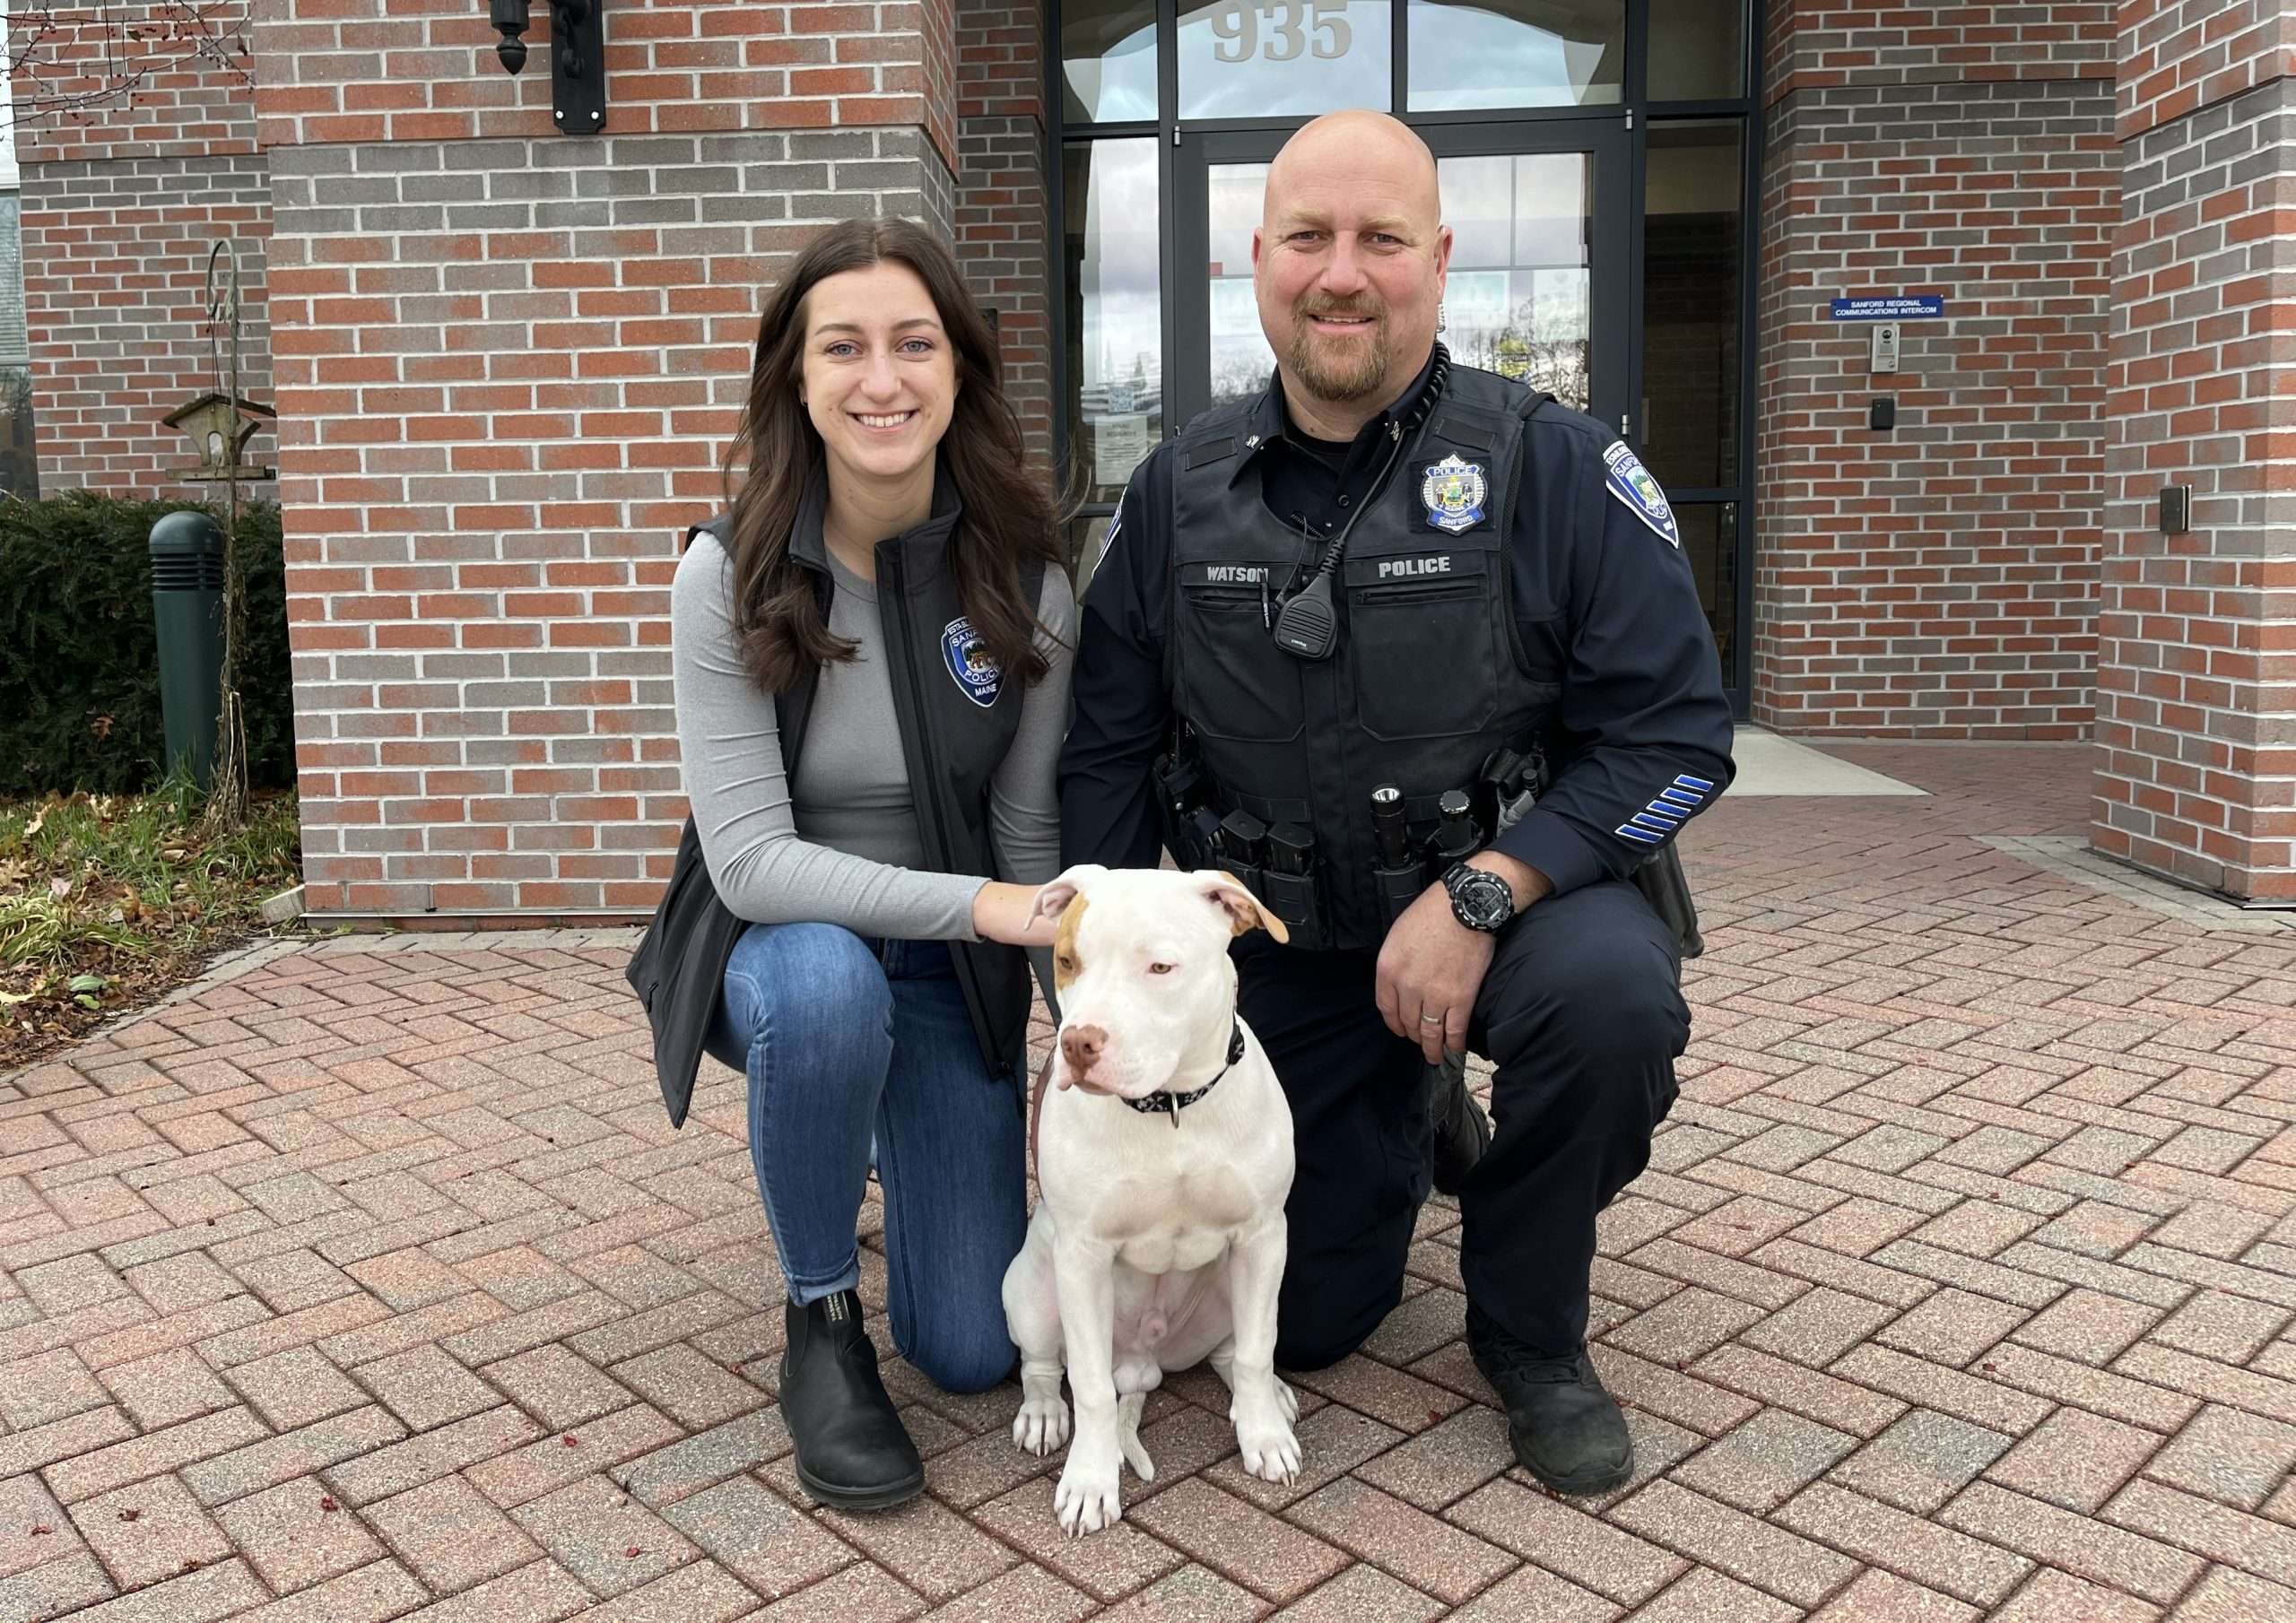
{"x": 633, "y": 1552}
{"x": 59, "y": 887}
{"x": 1990, "y": 1364}
{"x": 325, "y": 1503}
{"x": 129, "y": 1515}
{"x": 38, "y": 819}
{"x": 42, "y": 1531}
{"x": 570, "y": 1441}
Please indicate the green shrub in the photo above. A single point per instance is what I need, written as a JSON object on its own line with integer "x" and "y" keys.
{"x": 79, "y": 659}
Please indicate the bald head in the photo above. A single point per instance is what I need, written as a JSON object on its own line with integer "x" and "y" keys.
{"x": 1357, "y": 146}
{"x": 1348, "y": 266}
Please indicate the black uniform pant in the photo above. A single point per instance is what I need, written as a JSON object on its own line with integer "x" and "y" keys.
{"x": 1582, "y": 1017}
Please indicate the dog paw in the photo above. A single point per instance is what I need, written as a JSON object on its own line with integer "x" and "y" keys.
{"x": 1290, "y": 1402}
{"x": 1041, "y": 1425}
{"x": 1087, "y": 1499}
{"x": 1270, "y": 1452}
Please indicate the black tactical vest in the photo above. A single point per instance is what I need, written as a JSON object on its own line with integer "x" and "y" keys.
{"x": 1427, "y": 678}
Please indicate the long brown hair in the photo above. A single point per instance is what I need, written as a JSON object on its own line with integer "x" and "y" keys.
{"x": 1009, "y": 515}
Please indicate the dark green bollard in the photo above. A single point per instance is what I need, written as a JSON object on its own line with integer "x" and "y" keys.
{"x": 187, "y": 605}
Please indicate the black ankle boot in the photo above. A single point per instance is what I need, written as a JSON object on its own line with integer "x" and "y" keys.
{"x": 1461, "y": 1131}
{"x": 1567, "y": 1430}
{"x": 853, "y": 1453}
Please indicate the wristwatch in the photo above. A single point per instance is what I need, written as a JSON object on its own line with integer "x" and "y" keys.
{"x": 1480, "y": 899}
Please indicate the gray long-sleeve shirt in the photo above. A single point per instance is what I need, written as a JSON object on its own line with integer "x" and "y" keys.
{"x": 842, "y": 847}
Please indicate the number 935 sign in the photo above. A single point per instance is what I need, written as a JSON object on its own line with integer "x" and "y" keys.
{"x": 1280, "y": 29}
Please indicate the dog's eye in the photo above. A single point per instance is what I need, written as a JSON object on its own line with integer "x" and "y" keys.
{"x": 1159, "y": 968}
{"x": 1065, "y": 964}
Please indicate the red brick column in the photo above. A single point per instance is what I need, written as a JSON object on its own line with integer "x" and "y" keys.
{"x": 2196, "y": 706}
{"x": 137, "y": 152}
{"x": 508, "y": 364}
{"x": 1937, "y": 579}
{"x": 1002, "y": 207}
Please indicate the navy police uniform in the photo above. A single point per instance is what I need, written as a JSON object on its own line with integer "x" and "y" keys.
{"x": 1517, "y": 580}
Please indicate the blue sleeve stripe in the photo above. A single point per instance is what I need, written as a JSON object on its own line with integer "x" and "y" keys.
{"x": 1658, "y": 817}
{"x": 1640, "y": 836}
{"x": 1683, "y": 780}
{"x": 1678, "y": 797}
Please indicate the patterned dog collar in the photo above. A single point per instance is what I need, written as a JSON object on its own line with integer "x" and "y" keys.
{"x": 1158, "y": 1103}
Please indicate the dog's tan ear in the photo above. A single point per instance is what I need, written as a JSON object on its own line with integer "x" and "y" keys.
{"x": 1243, "y": 908}
{"x": 1053, "y": 899}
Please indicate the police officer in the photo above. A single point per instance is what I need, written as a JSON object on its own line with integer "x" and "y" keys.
{"x": 1380, "y": 571}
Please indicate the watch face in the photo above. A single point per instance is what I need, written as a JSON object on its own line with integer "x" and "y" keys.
{"x": 1483, "y": 899}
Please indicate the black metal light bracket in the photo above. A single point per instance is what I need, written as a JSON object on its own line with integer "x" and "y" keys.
{"x": 578, "y": 58}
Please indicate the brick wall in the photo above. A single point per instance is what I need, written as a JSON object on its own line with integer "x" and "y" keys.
{"x": 137, "y": 152}
{"x": 508, "y": 366}
{"x": 1002, "y": 214}
{"x": 1936, "y": 580}
{"x": 1816, "y": 44}
{"x": 2196, "y": 725}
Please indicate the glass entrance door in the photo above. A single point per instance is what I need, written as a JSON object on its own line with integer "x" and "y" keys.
{"x": 1537, "y": 288}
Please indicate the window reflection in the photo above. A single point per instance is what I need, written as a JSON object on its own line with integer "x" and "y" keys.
{"x": 18, "y": 457}
{"x": 1115, "y": 321}
{"x": 1688, "y": 430}
{"x": 1108, "y": 50}
{"x": 1272, "y": 58}
{"x": 1516, "y": 52}
{"x": 1710, "y": 532}
{"x": 1518, "y": 297}
{"x": 1087, "y": 540}
{"x": 1696, "y": 50}
{"x": 1241, "y": 361}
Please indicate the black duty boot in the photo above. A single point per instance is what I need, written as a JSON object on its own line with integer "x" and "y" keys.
{"x": 1567, "y": 1429}
{"x": 853, "y": 1453}
{"x": 1462, "y": 1132}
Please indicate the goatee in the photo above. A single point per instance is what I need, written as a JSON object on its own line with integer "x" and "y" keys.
{"x": 1361, "y": 371}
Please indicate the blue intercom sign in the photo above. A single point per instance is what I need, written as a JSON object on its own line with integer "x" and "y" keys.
{"x": 1915, "y": 306}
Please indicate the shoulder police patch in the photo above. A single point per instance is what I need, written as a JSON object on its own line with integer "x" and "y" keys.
{"x": 1453, "y": 490}
{"x": 976, "y": 674}
{"x": 1631, "y": 483}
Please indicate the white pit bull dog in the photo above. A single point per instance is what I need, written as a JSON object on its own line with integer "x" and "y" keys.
{"x": 1164, "y": 1158}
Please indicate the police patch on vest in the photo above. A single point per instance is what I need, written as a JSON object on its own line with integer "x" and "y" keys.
{"x": 1453, "y": 492}
{"x": 975, "y": 673}
{"x": 1631, "y": 483}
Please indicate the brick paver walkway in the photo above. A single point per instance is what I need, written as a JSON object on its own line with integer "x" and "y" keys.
{"x": 371, "y": 1284}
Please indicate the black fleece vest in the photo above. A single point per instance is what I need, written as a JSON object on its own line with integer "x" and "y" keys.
{"x": 957, "y": 717}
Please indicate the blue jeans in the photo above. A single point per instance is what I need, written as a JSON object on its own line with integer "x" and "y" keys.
{"x": 847, "y": 1041}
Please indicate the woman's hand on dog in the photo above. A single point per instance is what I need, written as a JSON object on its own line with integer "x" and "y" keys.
{"x": 1007, "y": 913}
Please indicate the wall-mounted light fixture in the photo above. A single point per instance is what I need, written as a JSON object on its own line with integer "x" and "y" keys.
{"x": 578, "y": 58}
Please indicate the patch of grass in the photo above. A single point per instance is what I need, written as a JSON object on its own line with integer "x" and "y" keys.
{"x": 107, "y": 900}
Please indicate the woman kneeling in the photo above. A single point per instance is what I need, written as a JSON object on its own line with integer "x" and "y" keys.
{"x": 871, "y": 655}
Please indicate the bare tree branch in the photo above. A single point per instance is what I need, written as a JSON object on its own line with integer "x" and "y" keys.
{"x": 65, "y": 61}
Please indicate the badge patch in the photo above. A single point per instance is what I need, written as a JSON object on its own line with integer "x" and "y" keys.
{"x": 1631, "y": 483}
{"x": 975, "y": 672}
{"x": 1453, "y": 492}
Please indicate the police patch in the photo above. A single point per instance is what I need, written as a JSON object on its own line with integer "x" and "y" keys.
{"x": 977, "y": 675}
{"x": 1631, "y": 483}
{"x": 1453, "y": 492}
